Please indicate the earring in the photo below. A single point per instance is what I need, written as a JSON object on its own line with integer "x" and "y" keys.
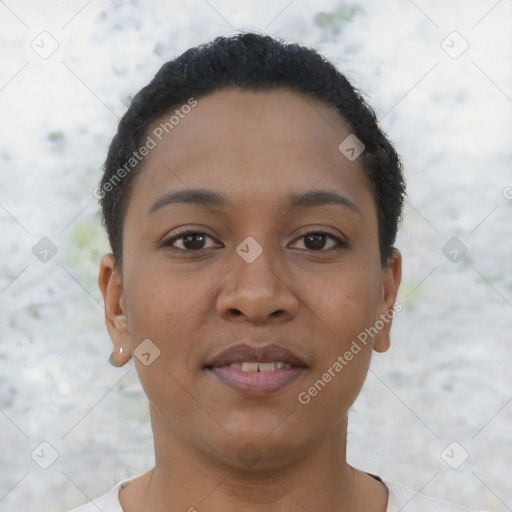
{"x": 112, "y": 360}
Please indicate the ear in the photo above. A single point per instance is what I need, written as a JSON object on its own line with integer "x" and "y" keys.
{"x": 391, "y": 277}
{"x": 111, "y": 286}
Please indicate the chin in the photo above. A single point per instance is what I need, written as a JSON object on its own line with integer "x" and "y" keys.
{"x": 257, "y": 447}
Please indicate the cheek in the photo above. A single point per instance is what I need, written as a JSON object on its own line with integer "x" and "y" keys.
{"x": 342, "y": 307}
{"x": 344, "y": 302}
{"x": 171, "y": 308}
{"x": 162, "y": 308}
{"x": 160, "y": 299}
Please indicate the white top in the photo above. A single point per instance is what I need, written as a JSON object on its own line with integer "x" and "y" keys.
{"x": 401, "y": 499}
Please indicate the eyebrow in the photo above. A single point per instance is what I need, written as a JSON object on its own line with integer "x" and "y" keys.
{"x": 311, "y": 199}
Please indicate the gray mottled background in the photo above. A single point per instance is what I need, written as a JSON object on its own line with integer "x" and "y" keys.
{"x": 439, "y": 77}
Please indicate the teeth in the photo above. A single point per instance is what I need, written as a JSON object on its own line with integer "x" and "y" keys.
{"x": 261, "y": 367}
{"x": 249, "y": 367}
{"x": 269, "y": 367}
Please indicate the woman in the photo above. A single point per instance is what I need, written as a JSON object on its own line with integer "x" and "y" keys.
{"x": 251, "y": 202}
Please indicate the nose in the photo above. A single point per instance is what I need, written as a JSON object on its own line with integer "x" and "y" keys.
{"x": 257, "y": 292}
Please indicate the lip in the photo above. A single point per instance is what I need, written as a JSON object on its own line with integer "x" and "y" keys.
{"x": 261, "y": 354}
{"x": 256, "y": 383}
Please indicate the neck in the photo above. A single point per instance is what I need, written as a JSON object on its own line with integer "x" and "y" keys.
{"x": 184, "y": 478}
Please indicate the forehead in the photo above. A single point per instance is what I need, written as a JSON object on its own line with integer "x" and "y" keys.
{"x": 253, "y": 146}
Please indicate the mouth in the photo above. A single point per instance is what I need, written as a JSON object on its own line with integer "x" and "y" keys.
{"x": 256, "y": 371}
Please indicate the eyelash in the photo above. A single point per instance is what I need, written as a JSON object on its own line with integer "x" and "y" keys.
{"x": 169, "y": 242}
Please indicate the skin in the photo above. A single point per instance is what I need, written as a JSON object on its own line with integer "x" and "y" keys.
{"x": 254, "y": 148}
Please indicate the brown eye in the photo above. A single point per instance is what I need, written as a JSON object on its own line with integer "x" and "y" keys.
{"x": 189, "y": 241}
{"x": 317, "y": 241}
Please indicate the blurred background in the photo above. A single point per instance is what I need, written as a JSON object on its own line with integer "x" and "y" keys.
{"x": 435, "y": 412}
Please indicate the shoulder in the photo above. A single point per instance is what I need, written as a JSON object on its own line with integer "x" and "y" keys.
{"x": 107, "y": 503}
{"x": 404, "y": 499}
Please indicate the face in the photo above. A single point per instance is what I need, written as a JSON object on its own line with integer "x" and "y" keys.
{"x": 252, "y": 292}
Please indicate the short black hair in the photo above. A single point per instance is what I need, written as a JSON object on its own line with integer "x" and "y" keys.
{"x": 250, "y": 61}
